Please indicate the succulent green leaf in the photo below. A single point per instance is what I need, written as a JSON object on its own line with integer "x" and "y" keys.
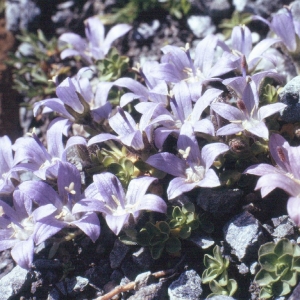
{"x": 157, "y": 250}
{"x": 143, "y": 237}
{"x": 211, "y": 262}
{"x": 188, "y": 207}
{"x": 164, "y": 227}
{"x": 284, "y": 246}
{"x": 264, "y": 278}
{"x": 290, "y": 278}
{"x": 108, "y": 160}
{"x": 177, "y": 213}
{"x": 173, "y": 245}
{"x": 268, "y": 261}
{"x": 296, "y": 250}
{"x": 216, "y": 288}
{"x": 232, "y": 287}
{"x": 296, "y": 264}
{"x": 266, "y": 292}
{"x": 185, "y": 232}
{"x": 209, "y": 274}
{"x": 281, "y": 288}
{"x": 157, "y": 239}
{"x": 266, "y": 248}
{"x": 223, "y": 279}
{"x": 115, "y": 168}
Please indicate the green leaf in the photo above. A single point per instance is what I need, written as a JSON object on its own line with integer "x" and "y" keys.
{"x": 164, "y": 227}
{"x": 266, "y": 248}
{"x": 266, "y": 292}
{"x": 143, "y": 238}
{"x": 188, "y": 207}
{"x": 217, "y": 289}
{"x": 290, "y": 278}
{"x": 157, "y": 250}
{"x": 284, "y": 246}
{"x": 209, "y": 274}
{"x": 264, "y": 278}
{"x": 185, "y": 232}
{"x": 173, "y": 245}
{"x": 281, "y": 288}
{"x": 232, "y": 287}
{"x": 268, "y": 261}
{"x": 296, "y": 264}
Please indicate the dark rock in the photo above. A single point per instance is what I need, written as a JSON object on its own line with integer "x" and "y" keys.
{"x": 220, "y": 202}
{"x": 130, "y": 269}
{"x": 61, "y": 287}
{"x": 143, "y": 258}
{"x": 54, "y": 294}
{"x": 117, "y": 254}
{"x": 41, "y": 264}
{"x": 218, "y": 9}
{"x": 186, "y": 287}
{"x": 99, "y": 275}
{"x": 245, "y": 234}
{"x": 12, "y": 283}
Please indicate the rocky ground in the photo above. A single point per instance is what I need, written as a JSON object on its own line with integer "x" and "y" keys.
{"x": 109, "y": 269}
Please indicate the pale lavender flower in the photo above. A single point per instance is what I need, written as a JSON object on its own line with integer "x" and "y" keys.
{"x": 183, "y": 110}
{"x": 17, "y": 232}
{"x": 194, "y": 169}
{"x": 241, "y": 44}
{"x": 177, "y": 65}
{"x": 285, "y": 27}
{"x": 285, "y": 175}
{"x": 76, "y": 101}
{"x": 6, "y": 165}
{"x": 106, "y": 195}
{"x": 98, "y": 45}
{"x": 33, "y": 155}
{"x": 55, "y": 211}
{"x": 246, "y": 116}
{"x": 128, "y": 132}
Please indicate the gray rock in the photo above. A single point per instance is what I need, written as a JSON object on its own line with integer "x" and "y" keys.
{"x": 260, "y": 7}
{"x": 117, "y": 254}
{"x": 76, "y": 285}
{"x": 12, "y": 283}
{"x": 201, "y": 241}
{"x": 245, "y": 234}
{"x": 156, "y": 291}
{"x": 243, "y": 269}
{"x": 20, "y": 13}
{"x": 186, "y": 287}
{"x": 143, "y": 280}
{"x": 289, "y": 95}
{"x": 201, "y": 26}
{"x": 284, "y": 227}
{"x": 221, "y": 297}
{"x": 296, "y": 293}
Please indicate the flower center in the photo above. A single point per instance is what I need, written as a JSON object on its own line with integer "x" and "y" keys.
{"x": 23, "y": 232}
{"x": 195, "y": 174}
